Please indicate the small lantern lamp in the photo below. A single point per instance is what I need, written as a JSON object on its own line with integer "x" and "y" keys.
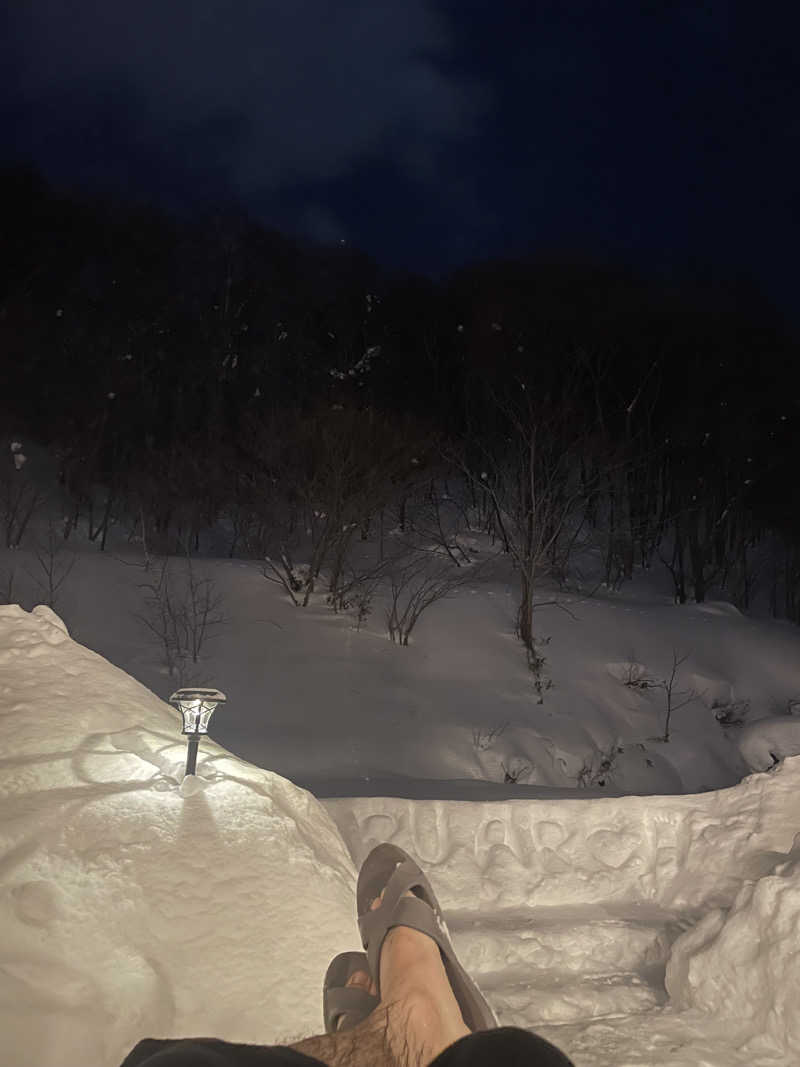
{"x": 196, "y": 707}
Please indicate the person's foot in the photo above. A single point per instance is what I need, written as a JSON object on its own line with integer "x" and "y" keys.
{"x": 413, "y": 977}
{"x": 362, "y": 979}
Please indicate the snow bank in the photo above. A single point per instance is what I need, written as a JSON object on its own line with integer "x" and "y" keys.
{"x": 677, "y": 853}
{"x": 766, "y": 740}
{"x": 127, "y": 908}
{"x": 742, "y": 965}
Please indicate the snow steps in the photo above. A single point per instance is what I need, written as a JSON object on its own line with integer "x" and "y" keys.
{"x": 560, "y": 965}
{"x": 529, "y": 1006}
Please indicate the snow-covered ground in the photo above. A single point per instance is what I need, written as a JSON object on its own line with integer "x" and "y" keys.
{"x": 629, "y": 929}
{"x": 338, "y": 710}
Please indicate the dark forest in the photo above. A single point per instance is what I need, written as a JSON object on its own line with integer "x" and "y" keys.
{"x": 207, "y": 372}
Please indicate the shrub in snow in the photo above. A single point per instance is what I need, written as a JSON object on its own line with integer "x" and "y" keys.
{"x": 598, "y": 767}
{"x": 632, "y": 675}
{"x": 732, "y": 713}
{"x": 438, "y": 521}
{"x": 354, "y": 589}
{"x": 515, "y": 770}
{"x": 484, "y": 737}
{"x": 764, "y": 742}
{"x": 362, "y": 605}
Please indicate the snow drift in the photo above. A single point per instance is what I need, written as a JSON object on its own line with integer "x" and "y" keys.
{"x": 127, "y": 908}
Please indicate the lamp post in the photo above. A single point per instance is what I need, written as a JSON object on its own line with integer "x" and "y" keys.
{"x": 196, "y": 707}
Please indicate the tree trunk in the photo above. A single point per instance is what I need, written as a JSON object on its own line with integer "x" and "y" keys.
{"x": 525, "y": 614}
{"x": 679, "y": 573}
{"x": 697, "y": 557}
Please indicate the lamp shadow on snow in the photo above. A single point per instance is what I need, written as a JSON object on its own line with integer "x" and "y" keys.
{"x": 106, "y": 758}
{"x": 80, "y": 775}
{"x": 106, "y": 762}
{"x": 118, "y": 762}
{"x": 198, "y": 828}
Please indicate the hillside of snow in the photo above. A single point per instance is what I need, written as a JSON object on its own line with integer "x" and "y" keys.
{"x": 638, "y": 930}
{"x": 343, "y": 711}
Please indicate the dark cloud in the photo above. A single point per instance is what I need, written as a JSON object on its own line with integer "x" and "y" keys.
{"x": 322, "y": 225}
{"x": 428, "y": 132}
{"x": 296, "y": 91}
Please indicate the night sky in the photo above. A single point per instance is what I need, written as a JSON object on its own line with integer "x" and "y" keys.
{"x": 662, "y": 134}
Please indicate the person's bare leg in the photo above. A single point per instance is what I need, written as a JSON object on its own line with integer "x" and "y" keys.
{"x": 418, "y": 1016}
{"x": 413, "y": 977}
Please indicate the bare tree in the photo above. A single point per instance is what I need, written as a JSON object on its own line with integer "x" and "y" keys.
{"x": 630, "y": 461}
{"x": 532, "y": 479}
{"x": 674, "y": 698}
{"x": 439, "y": 520}
{"x": 414, "y": 585}
{"x": 19, "y": 496}
{"x": 357, "y": 586}
{"x": 344, "y": 467}
{"x": 536, "y": 665}
{"x": 363, "y": 465}
{"x": 283, "y": 573}
{"x": 161, "y": 616}
{"x": 181, "y": 613}
{"x": 7, "y": 575}
{"x": 203, "y": 609}
{"x": 675, "y": 564}
{"x": 54, "y": 565}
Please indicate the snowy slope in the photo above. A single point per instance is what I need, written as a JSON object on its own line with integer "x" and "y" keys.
{"x": 335, "y": 709}
{"x": 132, "y": 906}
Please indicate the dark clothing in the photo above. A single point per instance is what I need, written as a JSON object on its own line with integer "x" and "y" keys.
{"x": 507, "y": 1046}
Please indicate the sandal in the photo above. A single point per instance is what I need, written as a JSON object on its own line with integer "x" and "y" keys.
{"x": 388, "y": 868}
{"x": 344, "y": 1007}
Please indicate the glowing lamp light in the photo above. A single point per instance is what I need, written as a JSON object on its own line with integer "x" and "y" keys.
{"x": 196, "y": 707}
